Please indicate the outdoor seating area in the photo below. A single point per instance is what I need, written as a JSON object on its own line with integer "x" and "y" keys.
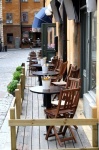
{"x": 48, "y": 117}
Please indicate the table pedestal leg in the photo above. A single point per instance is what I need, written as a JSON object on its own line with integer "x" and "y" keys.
{"x": 47, "y": 100}
{"x": 40, "y": 80}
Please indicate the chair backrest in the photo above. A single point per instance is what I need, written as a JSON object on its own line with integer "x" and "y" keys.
{"x": 71, "y": 99}
{"x": 69, "y": 73}
{"x": 73, "y": 83}
{"x": 59, "y": 63}
{"x": 63, "y": 68}
{"x": 32, "y": 54}
{"x": 74, "y": 73}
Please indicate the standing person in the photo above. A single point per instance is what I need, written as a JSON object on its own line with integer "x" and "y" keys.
{"x": 38, "y": 42}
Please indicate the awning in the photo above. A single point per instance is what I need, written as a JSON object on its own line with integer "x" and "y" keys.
{"x": 91, "y": 5}
{"x": 55, "y": 4}
{"x": 40, "y": 18}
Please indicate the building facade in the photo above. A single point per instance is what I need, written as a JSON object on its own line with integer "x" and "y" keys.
{"x": 82, "y": 49}
{"x": 17, "y": 20}
{"x": 1, "y": 22}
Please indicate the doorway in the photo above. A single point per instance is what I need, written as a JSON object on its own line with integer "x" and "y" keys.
{"x": 48, "y": 35}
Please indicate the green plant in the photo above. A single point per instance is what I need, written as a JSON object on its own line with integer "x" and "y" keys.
{"x": 12, "y": 86}
{"x": 19, "y": 69}
{"x": 16, "y": 75}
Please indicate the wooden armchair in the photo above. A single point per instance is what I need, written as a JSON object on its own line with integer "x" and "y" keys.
{"x": 73, "y": 72}
{"x": 71, "y": 84}
{"x": 62, "y": 70}
{"x": 71, "y": 98}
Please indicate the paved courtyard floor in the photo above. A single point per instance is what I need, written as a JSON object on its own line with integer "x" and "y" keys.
{"x": 8, "y": 62}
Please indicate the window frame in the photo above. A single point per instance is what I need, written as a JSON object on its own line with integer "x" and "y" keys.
{"x": 36, "y": 1}
{"x": 8, "y": 1}
{"x": 24, "y": 1}
{"x": 9, "y": 35}
{"x": 8, "y": 19}
{"x": 26, "y": 13}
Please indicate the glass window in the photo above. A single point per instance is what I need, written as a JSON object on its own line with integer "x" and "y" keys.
{"x": 8, "y": 0}
{"x": 93, "y": 51}
{"x": 51, "y": 36}
{"x": 36, "y": 0}
{"x": 24, "y": 0}
{"x": 10, "y": 38}
{"x": 24, "y": 17}
{"x": 9, "y": 18}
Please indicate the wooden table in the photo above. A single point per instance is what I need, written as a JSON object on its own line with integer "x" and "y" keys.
{"x": 40, "y": 74}
{"x": 47, "y": 93}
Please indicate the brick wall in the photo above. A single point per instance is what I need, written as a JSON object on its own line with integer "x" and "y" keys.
{"x": 14, "y": 7}
{"x": 11, "y": 29}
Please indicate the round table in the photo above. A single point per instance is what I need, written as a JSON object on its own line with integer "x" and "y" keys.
{"x": 47, "y": 93}
{"x": 40, "y": 73}
{"x": 40, "y": 67}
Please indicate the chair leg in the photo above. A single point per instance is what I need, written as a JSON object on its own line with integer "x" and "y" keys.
{"x": 75, "y": 127}
{"x": 48, "y": 132}
{"x": 72, "y": 133}
{"x": 64, "y": 130}
{"x": 57, "y": 136}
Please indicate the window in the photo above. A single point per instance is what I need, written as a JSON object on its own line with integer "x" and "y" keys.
{"x": 8, "y": 0}
{"x": 10, "y": 38}
{"x": 36, "y": 0}
{"x": 9, "y": 18}
{"x": 24, "y": 17}
{"x": 93, "y": 51}
{"x": 24, "y": 0}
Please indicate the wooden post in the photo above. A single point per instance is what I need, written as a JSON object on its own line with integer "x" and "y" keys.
{"x": 23, "y": 72}
{"x": 20, "y": 97}
{"x": 94, "y": 128}
{"x": 13, "y": 130}
{"x": 23, "y": 65}
{"x": 22, "y": 86}
{"x": 18, "y": 103}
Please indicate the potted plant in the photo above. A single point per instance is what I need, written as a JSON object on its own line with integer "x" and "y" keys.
{"x": 16, "y": 75}
{"x": 12, "y": 86}
{"x": 19, "y": 69}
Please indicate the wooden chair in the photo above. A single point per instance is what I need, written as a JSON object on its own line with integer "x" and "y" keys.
{"x": 71, "y": 84}
{"x": 72, "y": 72}
{"x": 71, "y": 98}
{"x": 31, "y": 68}
{"x": 62, "y": 70}
{"x": 58, "y": 64}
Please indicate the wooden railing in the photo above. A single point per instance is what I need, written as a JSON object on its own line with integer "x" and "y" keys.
{"x": 51, "y": 122}
{"x": 19, "y": 94}
{"x": 15, "y": 120}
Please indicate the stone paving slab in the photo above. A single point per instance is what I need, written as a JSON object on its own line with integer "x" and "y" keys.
{"x": 8, "y": 62}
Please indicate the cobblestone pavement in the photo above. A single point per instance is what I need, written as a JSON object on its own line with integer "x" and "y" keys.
{"x": 8, "y": 62}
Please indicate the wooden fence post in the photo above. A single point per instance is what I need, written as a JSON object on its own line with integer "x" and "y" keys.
{"x": 20, "y": 96}
{"x": 18, "y": 103}
{"x": 23, "y": 72}
{"x": 13, "y": 130}
{"x": 94, "y": 128}
{"x": 23, "y": 65}
{"x": 22, "y": 86}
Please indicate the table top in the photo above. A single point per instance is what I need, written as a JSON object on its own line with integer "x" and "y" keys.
{"x": 40, "y": 73}
{"x": 40, "y": 90}
{"x": 39, "y": 65}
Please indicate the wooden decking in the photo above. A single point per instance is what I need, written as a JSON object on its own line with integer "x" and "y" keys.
{"x": 30, "y": 138}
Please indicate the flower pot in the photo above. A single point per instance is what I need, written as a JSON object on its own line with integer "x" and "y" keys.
{"x": 43, "y": 61}
{"x": 46, "y": 84}
{"x": 39, "y": 61}
{"x": 45, "y": 69}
